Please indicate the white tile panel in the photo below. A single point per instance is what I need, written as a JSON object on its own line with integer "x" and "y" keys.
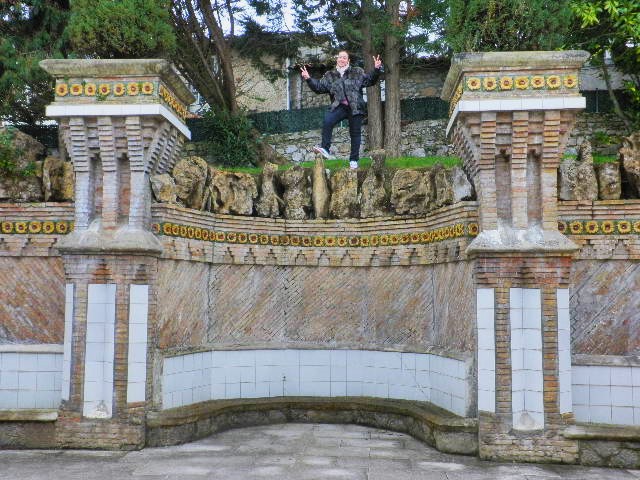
{"x": 410, "y": 361}
{"x": 580, "y": 375}
{"x": 600, "y": 395}
{"x": 338, "y": 357}
{"x": 526, "y": 358}
{"x": 622, "y": 415}
{"x": 532, "y": 103}
{"x": 9, "y": 380}
{"x": 621, "y": 396}
{"x": 338, "y": 373}
{"x": 468, "y": 106}
{"x": 515, "y": 298}
{"x": 486, "y": 400}
{"x": 315, "y": 357}
{"x": 599, "y": 375}
{"x": 9, "y": 361}
{"x": 563, "y": 299}
{"x": 28, "y": 362}
{"x": 574, "y": 102}
{"x": 485, "y": 321}
{"x": 98, "y": 379}
{"x": 486, "y": 360}
{"x": 510, "y": 104}
{"x": 215, "y": 375}
{"x": 531, "y": 298}
{"x": 605, "y": 394}
{"x": 68, "y": 332}
{"x": 338, "y": 389}
{"x": 621, "y": 376}
{"x": 600, "y": 414}
{"x": 553, "y": 103}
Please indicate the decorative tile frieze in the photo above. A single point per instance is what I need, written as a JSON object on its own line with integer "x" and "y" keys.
{"x": 110, "y": 92}
{"x": 31, "y": 227}
{"x": 600, "y": 227}
{"x": 453, "y": 231}
{"x": 103, "y": 90}
{"x": 501, "y": 83}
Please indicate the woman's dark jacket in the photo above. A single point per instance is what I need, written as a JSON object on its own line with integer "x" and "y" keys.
{"x": 348, "y": 86}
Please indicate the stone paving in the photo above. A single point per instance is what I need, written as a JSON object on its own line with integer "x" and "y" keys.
{"x": 283, "y": 452}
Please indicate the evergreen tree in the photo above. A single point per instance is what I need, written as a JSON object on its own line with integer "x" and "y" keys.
{"x": 29, "y": 32}
{"x": 122, "y": 29}
{"x": 504, "y": 25}
{"x": 374, "y": 27}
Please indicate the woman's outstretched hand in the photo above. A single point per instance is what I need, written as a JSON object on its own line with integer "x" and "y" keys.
{"x": 377, "y": 63}
{"x": 304, "y": 73}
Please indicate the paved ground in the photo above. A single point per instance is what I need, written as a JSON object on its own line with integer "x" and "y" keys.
{"x": 283, "y": 452}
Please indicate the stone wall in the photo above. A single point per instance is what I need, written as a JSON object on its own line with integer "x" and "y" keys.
{"x": 404, "y": 293}
{"x": 31, "y": 300}
{"x": 427, "y": 138}
{"x": 605, "y": 275}
{"x": 412, "y": 293}
{"x": 32, "y": 290}
{"x": 588, "y": 125}
{"x": 415, "y": 82}
{"x": 392, "y": 307}
{"x": 424, "y": 138}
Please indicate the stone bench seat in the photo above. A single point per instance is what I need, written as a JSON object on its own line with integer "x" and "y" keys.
{"x": 436, "y": 427}
{"x": 31, "y": 415}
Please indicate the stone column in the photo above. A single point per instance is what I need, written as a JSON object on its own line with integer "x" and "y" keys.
{"x": 121, "y": 121}
{"x": 511, "y": 114}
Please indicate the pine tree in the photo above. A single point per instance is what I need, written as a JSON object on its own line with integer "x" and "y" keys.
{"x": 504, "y": 25}
{"x": 29, "y": 32}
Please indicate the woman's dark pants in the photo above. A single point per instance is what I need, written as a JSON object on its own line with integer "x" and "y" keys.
{"x": 332, "y": 117}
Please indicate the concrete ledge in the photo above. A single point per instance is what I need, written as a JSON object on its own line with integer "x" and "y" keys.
{"x": 617, "y": 433}
{"x": 31, "y": 348}
{"x": 430, "y": 424}
{"x": 35, "y": 415}
{"x": 583, "y": 360}
{"x": 606, "y": 445}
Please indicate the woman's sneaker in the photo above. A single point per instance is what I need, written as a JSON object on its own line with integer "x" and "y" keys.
{"x": 324, "y": 152}
{"x": 353, "y": 164}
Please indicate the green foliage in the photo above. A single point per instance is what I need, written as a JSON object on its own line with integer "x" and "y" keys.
{"x": 122, "y": 29}
{"x": 418, "y": 30}
{"x": 230, "y": 139}
{"x": 365, "y": 162}
{"x": 497, "y": 25}
{"x": 9, "y": 167}
{"x": 613, "y": 26}
{"x": 29, "y": 32}
{"x": 603, "y": 138}
{"x": 597, "y": 159}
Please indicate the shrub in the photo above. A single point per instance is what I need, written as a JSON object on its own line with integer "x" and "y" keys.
{"x": 230, "y": 139}
{"x": 9, "y": 167}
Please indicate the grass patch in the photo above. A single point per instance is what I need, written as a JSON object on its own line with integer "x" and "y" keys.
{"x": 596, "y": 158}
{"x": 605, "y": 159}
{"x": 337, "y": 164}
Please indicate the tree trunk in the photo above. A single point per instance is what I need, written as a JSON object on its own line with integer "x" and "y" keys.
{"x": 616, "y": 106}
{"x": 204, "y": 57}
{"x": 392, "y": 129}
{"x": 375, "y": 122}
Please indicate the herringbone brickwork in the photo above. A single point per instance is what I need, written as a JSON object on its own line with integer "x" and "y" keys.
{"x": 257, "y": 305}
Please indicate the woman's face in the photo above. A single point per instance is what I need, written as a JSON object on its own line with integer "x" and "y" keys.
{"x": 343, "y": 59}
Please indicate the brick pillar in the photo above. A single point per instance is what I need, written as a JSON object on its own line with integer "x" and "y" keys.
{"x": 122, "y": 121}
{"x": 511, "y": 114}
